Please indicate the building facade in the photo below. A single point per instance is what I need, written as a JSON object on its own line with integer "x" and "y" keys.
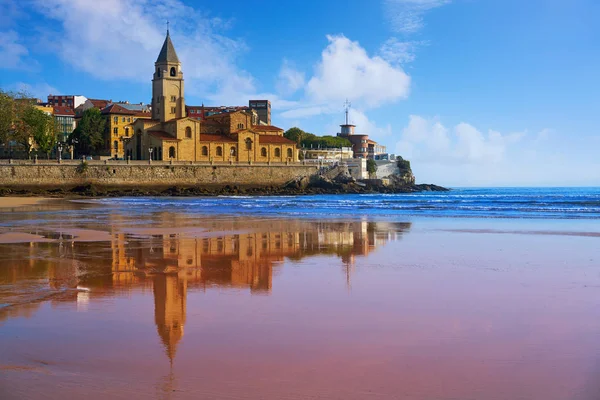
{"x": 71, "y": 101}
{"x": 65, "y": 121}
{"x": 173, "y": 134}
{"x": 119, "y": 128}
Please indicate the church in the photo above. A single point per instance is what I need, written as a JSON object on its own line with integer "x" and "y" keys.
{"x": 236, "y": 136}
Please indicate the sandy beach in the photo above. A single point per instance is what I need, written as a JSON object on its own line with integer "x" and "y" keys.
{"x": 16, "y": 202}
{"x": 103, "y": 303}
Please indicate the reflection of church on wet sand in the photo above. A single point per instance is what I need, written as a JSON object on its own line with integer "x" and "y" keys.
{"x": 171, "y": 263}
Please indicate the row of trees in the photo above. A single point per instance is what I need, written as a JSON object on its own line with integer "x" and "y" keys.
{"x": 30, "y": 128}
{"x": 21, "y": 122}
{"x": 308, "y": 140}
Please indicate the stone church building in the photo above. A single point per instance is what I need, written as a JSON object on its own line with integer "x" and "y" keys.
{"x": 171, "y": 135}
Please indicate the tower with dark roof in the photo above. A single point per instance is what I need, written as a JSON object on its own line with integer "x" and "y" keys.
{"x": 168, "y": 101}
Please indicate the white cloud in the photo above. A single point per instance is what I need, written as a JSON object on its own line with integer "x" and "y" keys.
{"x": 290, "y": 80}
{"x": 13, "y": 54}
{"x": 396, "y": 51}
{"x": 347, "y": 71}
{"x": 120, "y": 39}
{"x": 428, "y": 140}
{"x": 406, "y": 16}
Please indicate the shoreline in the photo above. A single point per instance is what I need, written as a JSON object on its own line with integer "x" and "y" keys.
{"x": 91, "y": 190}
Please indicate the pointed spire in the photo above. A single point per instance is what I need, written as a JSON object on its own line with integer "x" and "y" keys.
{"x": 167, "y": 53}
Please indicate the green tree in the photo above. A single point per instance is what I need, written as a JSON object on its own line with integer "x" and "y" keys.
{"x": 43, "y": 130}
{"x": 25, "y": 121}
{"x": 7, "y": 115}
{"x": 371, "y": 167}
{"x": 89, "y": 134}
{"x": 296, "y": 134}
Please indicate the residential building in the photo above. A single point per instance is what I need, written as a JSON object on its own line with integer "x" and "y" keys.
{"x": 71, "y": 101}
{"x": 180, "y": 133}
{"x": 65, "y": 121}
{"x": 328, "y": 154}
{"x": 119, "y": 128}
{"x": 263, "y": 109}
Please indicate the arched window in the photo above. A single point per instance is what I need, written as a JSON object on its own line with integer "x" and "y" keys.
{"x": 219, "y": 151}
{"x": 233, "y": 152}
{"x": 277, "y": 153}
{"x": 263, "y": 151}
{"x": 173, "y": 71}
{"x": 240, "y": 126}
{"x": 290, "y": 153}
{"x": 172, "y": 152}
{"x": 204, "y": 150}
{"x": 116, "y": 145}
{"x": 188, "y": 132}
{"x": 248, "y": 144}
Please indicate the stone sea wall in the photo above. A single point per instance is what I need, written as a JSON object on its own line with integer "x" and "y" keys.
{"x": 150, "y": 175}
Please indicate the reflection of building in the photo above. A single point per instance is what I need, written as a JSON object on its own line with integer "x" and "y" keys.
{"x": 170, "y": 294}
{"x": 171, "y": 263}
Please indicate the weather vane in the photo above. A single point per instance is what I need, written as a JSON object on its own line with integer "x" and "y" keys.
{"x": 167, "y": 26}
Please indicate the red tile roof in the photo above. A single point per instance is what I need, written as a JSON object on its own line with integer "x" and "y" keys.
{"x": 98, "y": 103}
{"x": 162, "y": 135}
{"x": 63, "y": 110}
{"x": 206, "y": 137}
{"x": 266, "y": 128}
{"x": 116, "y": 109}
{"x": 275, "y": 139}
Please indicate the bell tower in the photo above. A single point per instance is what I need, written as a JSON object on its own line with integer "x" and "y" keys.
{"x": 168, "y": 101}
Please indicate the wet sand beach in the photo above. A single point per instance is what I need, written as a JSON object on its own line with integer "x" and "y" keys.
{"x": 100, "y": 302}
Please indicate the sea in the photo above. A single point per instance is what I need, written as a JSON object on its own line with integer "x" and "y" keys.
{"x": 529, "y": 203}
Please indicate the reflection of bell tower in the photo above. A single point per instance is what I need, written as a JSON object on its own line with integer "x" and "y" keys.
{"x": 169, "y": 310}
{"x": 167, "y": 84}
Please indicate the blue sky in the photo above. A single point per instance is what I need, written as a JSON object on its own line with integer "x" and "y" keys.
{"x": 473, "y": 92}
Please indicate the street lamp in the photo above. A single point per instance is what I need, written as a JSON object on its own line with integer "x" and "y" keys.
{"x": 150, "y": 153}
{"x": 231, "y": 153}
{"x": 72, "y": 147}
{"x": 60, "y": 148}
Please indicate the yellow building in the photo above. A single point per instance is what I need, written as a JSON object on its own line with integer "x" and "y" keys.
{"x": 171, "y": 135}
{"x": 119, "y": 127}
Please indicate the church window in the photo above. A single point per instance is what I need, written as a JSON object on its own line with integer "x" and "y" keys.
{"x": 240, "y": 126}
{"x": 290, "y": 153}
{"x": 219, "y": 151}
{"x": 172, "y": 152}
{"x": 173, "y": 71}
{"x": 248, "y": 144}
{"x": 158, "y": 72}
{"x": 277, "y": 153}
{"x": 116, "y": 131}
{"x": 232, "y": 152}
{"x": 173, "y": 98}
{"x": 263, "y": 152}
{"x": 188, "y": 132}
{"x": 173, "y": 110}
{"x": 204, "y": 150}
